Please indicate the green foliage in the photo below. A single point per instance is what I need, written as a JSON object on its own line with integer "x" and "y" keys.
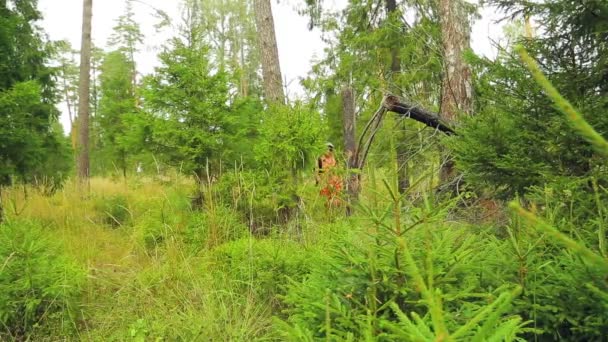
{"x": 263, "y": 266}
{"x": 575, "y": 119}
{"x": 290, "y": 140}
{"x": 263, "y": 190}
{"x": 256, "y": 196}
{"x": 26, "y": 95}
{"x": 39, "y": 286}
{"x": 516, "y": 115}
{"x": 563, "y": 287}
{"x": 188, "y": 103}
{"x": 489, "y": 149}
{"x": 118, "y": 122}
{"x": 558, "y": 305}
{"x": 371, "y": 285}
{"x": 28, "y": 141}
{"x": 114, "y": 210}
{"x": 213, "y": 226}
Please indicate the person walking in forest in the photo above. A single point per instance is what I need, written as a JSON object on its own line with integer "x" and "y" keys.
{"x": 331, "y": 183}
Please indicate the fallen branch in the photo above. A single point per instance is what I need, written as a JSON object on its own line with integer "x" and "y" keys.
{"x": 394, "y": 104}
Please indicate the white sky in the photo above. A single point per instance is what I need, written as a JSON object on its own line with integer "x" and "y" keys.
{"x": 297, "y": 45}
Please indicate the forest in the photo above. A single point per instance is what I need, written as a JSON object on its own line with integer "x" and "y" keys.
{"x": 413, "y": 189}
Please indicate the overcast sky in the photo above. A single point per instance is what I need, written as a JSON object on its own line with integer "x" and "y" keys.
{"x": 297, "y": 45}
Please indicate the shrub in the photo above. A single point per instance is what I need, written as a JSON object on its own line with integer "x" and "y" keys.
{"x": 564, "y": 295}
{"x": 39, "y": 286}
{"x": 371, "y": 286}
{"x": 256, "y": 196}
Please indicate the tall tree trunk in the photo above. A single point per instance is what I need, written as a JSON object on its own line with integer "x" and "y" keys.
{"x": 402, "y": 151}
{"x": 456, "y": 88}
{"x": 271, "y": 69}
{"x": 83, "y": 91}
{"x": 350, "y": 147}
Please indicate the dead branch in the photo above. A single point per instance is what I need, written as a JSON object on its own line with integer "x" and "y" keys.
{"x": 394, "y": 104}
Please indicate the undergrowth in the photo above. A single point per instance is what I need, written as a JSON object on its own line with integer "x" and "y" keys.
{"x": 399, "y": 269}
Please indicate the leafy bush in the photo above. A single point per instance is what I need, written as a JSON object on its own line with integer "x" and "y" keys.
{"x": 39, "y": 286}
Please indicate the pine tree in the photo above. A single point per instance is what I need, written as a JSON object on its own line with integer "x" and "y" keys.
{"x": 115, "y": 120}
{"x": 273, "y": 83}
{"x": 127, "y": 37}
{"x": 27, "y": 96}
{"x": 83, "y": 92}
{"x": 515, "y": 115}
{"x": 457, "y": 88}
{"x": 187, "y": 102}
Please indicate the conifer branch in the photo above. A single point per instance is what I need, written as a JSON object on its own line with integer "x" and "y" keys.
{"x": 574, "y": 117}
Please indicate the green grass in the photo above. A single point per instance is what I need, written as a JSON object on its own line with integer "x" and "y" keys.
{"x": 398, "y": 269}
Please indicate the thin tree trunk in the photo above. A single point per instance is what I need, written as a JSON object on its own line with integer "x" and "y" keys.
{"x": 402, "y": 150}
{"x": 1, "y": 207}
{"x": 83, "y": 91}
{"x": 350, "y": 147}
{"x": 70, "y": 114}
{"x": 456, "y": 89}
{"x": 271, "y": 69}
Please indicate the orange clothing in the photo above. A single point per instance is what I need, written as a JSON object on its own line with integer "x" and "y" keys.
{"x": 331, "y": 183}
{"x": 327, "y": 162}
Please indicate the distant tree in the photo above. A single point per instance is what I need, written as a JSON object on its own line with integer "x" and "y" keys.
{"x": 97, "y": 57}
{"x": 273, "y": 82}
{"x": 115, "y": 120}
{"x": 27, "y": 96}
{"x": 67, "y": 82}
{"x": 229, "y": 29}
{"x": 127, "y": 37}
{"x": 188, "y": 103}
{"x": 83, "y": 91}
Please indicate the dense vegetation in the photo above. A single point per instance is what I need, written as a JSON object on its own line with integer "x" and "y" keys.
{"x": 202, "y": 218}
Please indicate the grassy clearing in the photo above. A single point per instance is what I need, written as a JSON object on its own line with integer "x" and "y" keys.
{"x": 140, "y": 264}
{"x": 151, "y": 268}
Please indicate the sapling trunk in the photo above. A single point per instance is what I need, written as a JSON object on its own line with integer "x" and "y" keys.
{"x": 1, "y": 207}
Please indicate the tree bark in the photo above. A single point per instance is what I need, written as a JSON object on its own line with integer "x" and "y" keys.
{"x": 83, "y": 91}
{"x": 271, "y": 69}
{"x": 350, "y": 148}
{"x": 456, "y": 89}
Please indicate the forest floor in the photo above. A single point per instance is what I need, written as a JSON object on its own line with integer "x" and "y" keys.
{"x": 131, "y": 260}
{"x": 154, "y": 267}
